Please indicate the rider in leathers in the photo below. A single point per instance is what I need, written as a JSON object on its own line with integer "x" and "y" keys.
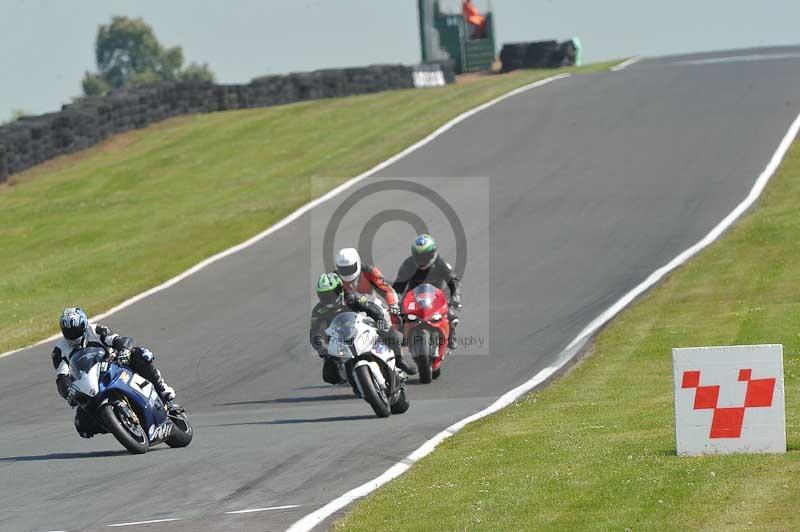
{"x": 363, "y": 278}
{"x": 425, "y": 265}
{"x": 79, "y": 333}
{"x": 332, "y": 302}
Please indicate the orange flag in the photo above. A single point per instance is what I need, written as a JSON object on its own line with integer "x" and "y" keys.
{"x": 471, "y": 14}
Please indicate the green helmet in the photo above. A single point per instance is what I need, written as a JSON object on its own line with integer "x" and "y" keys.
{"x": 329, "y": 288}
{"x": 424, "y": 251}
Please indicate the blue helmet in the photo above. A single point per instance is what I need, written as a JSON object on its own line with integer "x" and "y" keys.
{"x": 74, "y": 324}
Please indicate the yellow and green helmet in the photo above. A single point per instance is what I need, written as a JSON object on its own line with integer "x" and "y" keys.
{"x": 329, "y": 288}
{"x": 423, "y": 250}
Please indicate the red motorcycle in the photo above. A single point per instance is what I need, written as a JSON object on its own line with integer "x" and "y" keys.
{"x": 426, "y": 329}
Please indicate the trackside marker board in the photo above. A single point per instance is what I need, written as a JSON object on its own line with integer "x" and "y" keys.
{"x": 729, "y": 399}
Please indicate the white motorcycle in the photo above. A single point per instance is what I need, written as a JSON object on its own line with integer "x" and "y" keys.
{"x": 368, "y": 363}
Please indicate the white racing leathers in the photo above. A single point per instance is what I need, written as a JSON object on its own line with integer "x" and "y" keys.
{"x": 96, "y": 336}
{"x": 141, "y": 359}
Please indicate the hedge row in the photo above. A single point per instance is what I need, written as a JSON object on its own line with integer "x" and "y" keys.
{"x": 541, "y": 54}
{"x": 32, "y": 140}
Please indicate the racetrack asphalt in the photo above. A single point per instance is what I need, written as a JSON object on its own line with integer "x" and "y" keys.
{"x": 570, "y": 195}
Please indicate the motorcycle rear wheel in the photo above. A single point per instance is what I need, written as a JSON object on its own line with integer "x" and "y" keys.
{"x": 182, "y": 431}
{"x": 113, "y": 416}
{"x": 372, "y": 394}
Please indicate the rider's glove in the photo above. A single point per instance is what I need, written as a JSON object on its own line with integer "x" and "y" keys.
{"x": 394, "y": 310}
{"x": 320, "y": 346}
{"x": 123, "y": 357}
{"x": 62, "y": 383}
{"x": 383, "y": 325}
{"x": 71, "y": 393}
{"x": 455, "y": 302}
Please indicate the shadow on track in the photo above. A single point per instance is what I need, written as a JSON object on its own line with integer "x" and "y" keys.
{"x": 292, "y": 400}
{"x": 296, "y": 421}
{"x": 62, "y": 456}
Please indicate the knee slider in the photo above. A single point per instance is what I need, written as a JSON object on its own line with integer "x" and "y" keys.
{"x": 143, "y": 353}
{"x": 81, "y": 431}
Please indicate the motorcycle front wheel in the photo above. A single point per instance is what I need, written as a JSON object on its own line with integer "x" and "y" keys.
{"x": 122, "y": 422}
{"x": 423, "y": 356}
{"x": 373, "y": 394}
{"x": 182, "y": 431}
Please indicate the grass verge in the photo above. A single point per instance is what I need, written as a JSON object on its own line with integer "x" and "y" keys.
{"x": 596, "y": 450}
{"x": 100, "y": 226}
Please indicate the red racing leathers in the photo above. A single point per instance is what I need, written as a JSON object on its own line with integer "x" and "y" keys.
{"x": 371, "y": 281}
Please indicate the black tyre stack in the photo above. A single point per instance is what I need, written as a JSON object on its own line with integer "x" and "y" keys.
{"x": 539, "y": 54}
{"x": 32, "y": 140}
{"x": 512, "y": 56}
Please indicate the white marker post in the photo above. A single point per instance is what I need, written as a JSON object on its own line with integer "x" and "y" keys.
{"x": 729, "y": 400}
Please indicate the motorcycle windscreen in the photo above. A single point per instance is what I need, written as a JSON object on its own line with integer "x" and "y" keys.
{"x": 424, "y": 295}
{"x": 85, "y": 359}
{"x": 344, "y": 325}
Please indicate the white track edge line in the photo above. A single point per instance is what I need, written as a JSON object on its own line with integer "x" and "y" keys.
{"x": 150, "y": 522}
{"x": 308, "y": 206}
{"x": 310, "y": 521}
{"x": 254, "y": 510}
{"x": 626, "y": 63}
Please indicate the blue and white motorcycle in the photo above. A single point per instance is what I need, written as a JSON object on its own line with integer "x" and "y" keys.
{"x": 125, "y": 403}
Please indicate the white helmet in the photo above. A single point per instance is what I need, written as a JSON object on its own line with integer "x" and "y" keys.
{"x": 348, "y": 264}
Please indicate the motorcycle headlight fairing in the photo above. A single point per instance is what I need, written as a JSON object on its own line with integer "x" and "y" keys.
{"x": 87, "y": 382}
{"x": 364, "y": 342}
{"x": 342, "y": 349}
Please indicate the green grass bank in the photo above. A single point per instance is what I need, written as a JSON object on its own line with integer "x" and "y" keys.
{"x": 596, "y": 449}
{"x": 100, "y": 226}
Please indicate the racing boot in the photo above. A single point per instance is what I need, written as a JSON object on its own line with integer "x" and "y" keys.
{"x": 142, "y": 361}
{"x": 393, "y": 339}
{"x": 83, "y": 424}
{"x": 331, "y": 373}
{"x": 451, "y": 339}
{"x": 406, "y": 364}
{"x": 165, "y": 391}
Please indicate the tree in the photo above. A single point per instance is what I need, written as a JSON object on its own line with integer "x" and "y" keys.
{"x": 148, "y": 77}
{"x": 94, "y": 85}
{"x": 16, "y": 114}
{"x": 197, "y": 72}
{"x": 128, "y": 53}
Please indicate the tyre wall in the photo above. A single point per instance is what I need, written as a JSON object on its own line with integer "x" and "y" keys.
{"x": 33, "y": 140}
